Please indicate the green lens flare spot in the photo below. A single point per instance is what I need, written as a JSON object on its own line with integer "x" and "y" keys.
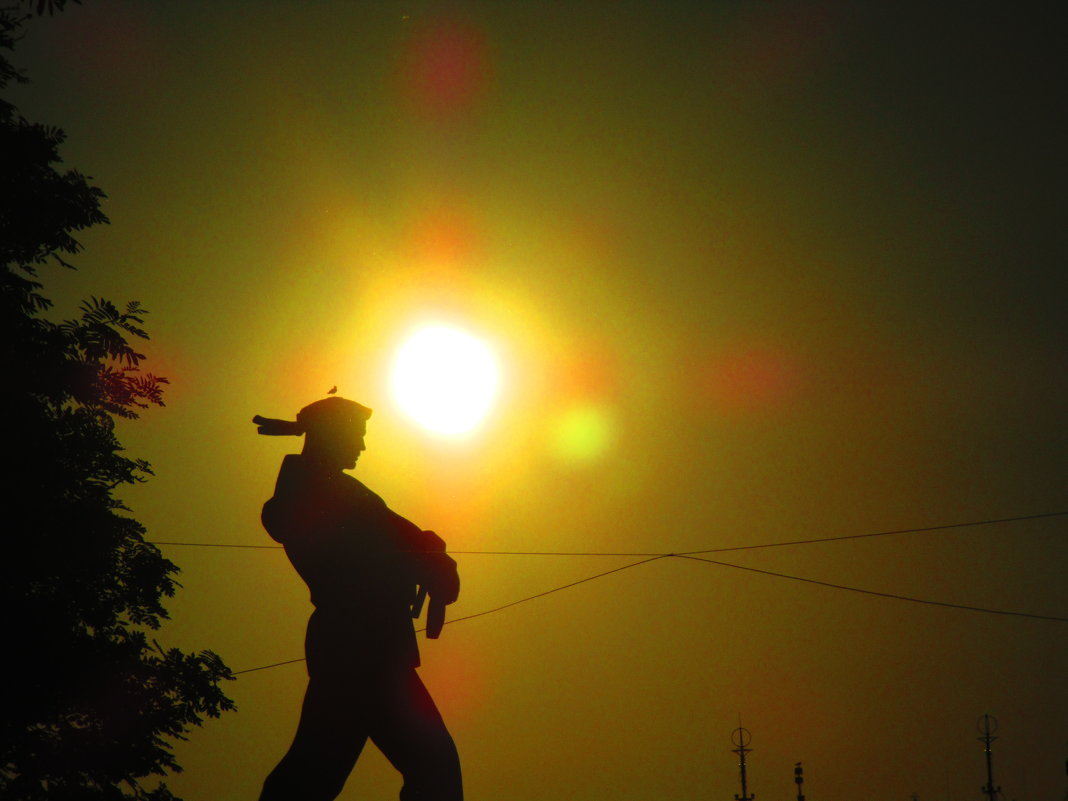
{"x": 583, "y": 433}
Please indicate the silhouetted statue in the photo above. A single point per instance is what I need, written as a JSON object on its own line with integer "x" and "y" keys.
{"x": 368, "y": 570}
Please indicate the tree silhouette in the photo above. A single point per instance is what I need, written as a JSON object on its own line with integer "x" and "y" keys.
{"x": 91, "y": 705}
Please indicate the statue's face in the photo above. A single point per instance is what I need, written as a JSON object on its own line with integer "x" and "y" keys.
{"x": 351, "y": 444}
{"x": 339, "y": 447}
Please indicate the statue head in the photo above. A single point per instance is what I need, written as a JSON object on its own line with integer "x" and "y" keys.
{"x": 333, "y": 429}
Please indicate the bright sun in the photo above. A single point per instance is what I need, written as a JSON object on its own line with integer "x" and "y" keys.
{"x": 444, "y": 379}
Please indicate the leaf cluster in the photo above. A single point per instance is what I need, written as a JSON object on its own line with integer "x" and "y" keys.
{"x": 91, "y": 705}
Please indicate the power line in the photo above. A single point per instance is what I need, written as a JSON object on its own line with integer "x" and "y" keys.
{"x": 724, "y": 549}
{"x": 267, "y": 667}
{"x": 942, "y": 527}
{"x": 562, "y": 587}
{"x": 216, "y": 545}
{"x": 498, "y": 608}
{"x": 874, "y": 592}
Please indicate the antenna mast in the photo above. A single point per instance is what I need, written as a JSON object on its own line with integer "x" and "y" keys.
{"x": 741, "y": 738}
{"x": 987, "y": 725}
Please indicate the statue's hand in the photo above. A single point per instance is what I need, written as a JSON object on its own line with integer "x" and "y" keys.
{"x": 438, "y": 570}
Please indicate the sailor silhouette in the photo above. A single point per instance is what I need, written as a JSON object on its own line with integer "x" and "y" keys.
{"x": 368, "y": 570}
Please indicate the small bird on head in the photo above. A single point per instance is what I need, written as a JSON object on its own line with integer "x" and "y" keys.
{"x": 333, "y": 390}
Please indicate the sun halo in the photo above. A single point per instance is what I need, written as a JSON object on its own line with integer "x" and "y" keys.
{"x": 444, "y": 379}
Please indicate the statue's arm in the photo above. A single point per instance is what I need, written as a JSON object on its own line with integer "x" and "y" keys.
{"x": 434, "y": 569}
{"x": 290, "y": 508}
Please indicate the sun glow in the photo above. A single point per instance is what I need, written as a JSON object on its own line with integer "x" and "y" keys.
{"x": 444, "y": 379}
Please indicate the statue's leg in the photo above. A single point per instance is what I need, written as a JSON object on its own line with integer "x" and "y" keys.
{"x": 329, "y": 738}
{"x": 408, "y": 729}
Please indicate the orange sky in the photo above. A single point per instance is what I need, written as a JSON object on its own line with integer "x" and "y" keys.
{"x": 796, "y": 270}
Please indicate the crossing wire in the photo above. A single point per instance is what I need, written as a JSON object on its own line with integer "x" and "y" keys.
{"x": 892, "y": 596}
{"x": 495, "y": 609}
{"x": 697, "y": 556}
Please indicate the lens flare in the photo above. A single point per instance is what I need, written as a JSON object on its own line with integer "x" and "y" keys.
{"x": 445, "y": 68}
{"x": 445, "y": 379}
{"x": 583, "y": 433}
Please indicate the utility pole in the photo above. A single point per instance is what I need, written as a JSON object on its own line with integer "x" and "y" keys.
{"x": 987, "y": 725}
{"x": 741, "y": 738}
{"x": 799, "y": 780}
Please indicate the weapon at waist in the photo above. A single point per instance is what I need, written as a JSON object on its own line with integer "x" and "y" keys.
{"x": 435, "y": 614}
{"x": 417, "y": 604}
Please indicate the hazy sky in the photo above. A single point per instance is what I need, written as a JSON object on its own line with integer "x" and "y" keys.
{"x": 755, "y": 272}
